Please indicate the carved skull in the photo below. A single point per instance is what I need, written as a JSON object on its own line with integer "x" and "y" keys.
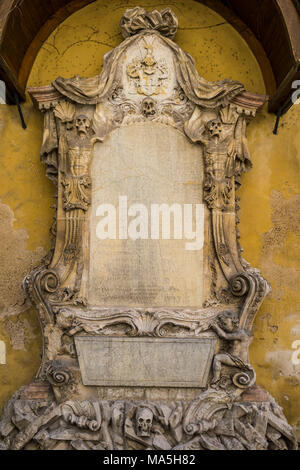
{"x": 82, "y": 124}
{"x": 68, "y": 124}
{"x": 214, "y": 127}
{"x": 144, "y": 419}
{"x": 148, "y": 107}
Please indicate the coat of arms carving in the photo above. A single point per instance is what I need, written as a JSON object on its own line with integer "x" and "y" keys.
{"x": 147, "y": 76}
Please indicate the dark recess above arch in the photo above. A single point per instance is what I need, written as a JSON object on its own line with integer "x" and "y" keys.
{"x": 270, "y": 27}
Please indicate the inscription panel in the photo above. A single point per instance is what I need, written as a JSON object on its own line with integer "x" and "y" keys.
{"x": 160, "y": 362}
{"x": 146, "y": 164}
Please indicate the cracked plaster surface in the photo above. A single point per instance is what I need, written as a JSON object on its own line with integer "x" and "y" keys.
{"x": 16, "y": 262}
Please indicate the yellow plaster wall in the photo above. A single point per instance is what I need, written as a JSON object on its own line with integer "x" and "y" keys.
{"x": 270, "y": 204}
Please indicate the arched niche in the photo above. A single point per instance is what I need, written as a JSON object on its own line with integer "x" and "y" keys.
{"x": 271, "y": 29}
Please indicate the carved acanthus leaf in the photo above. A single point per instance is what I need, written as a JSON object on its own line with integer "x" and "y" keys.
{"x": 139, "y": 322}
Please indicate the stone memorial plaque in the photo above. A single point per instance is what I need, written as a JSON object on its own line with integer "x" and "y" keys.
{"x": 135, "y": 169}
{"x": 147, "y": 362}
{"x": 148, "y": 303}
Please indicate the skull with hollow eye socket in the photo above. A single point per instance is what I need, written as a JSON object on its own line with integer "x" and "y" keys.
{"x": 214, "y": 127}
{"x": 82, "y": 124}
{"x": 148, "y": 107}
{"x": 144, "y": 420}
{"x": 68, "y": 124}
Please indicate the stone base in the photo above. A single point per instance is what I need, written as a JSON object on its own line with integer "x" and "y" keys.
{"x": 216, "y": 420}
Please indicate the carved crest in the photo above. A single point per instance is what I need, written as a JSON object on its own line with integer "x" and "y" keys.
{"x": 147, "y": 75}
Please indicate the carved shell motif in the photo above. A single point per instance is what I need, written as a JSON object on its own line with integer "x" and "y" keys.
{"x": 64, "y": 111}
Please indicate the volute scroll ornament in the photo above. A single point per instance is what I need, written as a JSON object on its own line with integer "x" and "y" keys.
{"x": 95, "y": 128}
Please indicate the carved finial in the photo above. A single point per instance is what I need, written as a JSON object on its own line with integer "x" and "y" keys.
{"x": 138, "y": 19}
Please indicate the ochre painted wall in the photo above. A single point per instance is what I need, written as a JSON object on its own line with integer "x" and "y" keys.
{"x": 270, "y": 221}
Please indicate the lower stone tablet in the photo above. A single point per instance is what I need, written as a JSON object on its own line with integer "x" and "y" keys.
{"x": 160, "y": 362}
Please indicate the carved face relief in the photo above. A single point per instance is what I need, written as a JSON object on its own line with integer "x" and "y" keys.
{"x": 148, "y": 107}
{"x": 82, "y": 124}
{"x": 144, "y": 419}
{"x": 214, "y": 127}
{"x": 228, "y": 321}
{"x": 227, "y": 324}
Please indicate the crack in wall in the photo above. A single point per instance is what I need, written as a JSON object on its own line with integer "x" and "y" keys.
{"x": 16, "y": 262}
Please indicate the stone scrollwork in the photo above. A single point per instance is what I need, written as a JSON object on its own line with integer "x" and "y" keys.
{"x": 216, "y": 420}
{"x": 58, "y": 375}
{"x": 61, "y": 379}
{"x": 226, "y": 157}
{"x": 138, "y": 322}
{"x": 147, "y": 79}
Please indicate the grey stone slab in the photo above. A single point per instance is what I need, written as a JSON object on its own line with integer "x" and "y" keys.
{"x": 161, "y": 362}
{"x": 149, "y": 163}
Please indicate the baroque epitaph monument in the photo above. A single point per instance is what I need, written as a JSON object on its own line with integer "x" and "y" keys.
{"x": 145, "y": 302}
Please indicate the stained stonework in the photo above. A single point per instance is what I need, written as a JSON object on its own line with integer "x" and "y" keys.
{"x": 158, "y": 362}
{"x": 149, "y": 163}
{"x": 147, "y": 81}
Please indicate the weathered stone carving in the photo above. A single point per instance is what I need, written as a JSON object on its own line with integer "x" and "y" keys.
{"x": 217, "y": 420}
{"x": 147, "y": 79}
{"x": 137, "y": 20}
{"x": 226, "y": 153}
{"x": 147, "y": 75}
{"x": 227, "y": 329}
{"x": 144, "y": 418}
